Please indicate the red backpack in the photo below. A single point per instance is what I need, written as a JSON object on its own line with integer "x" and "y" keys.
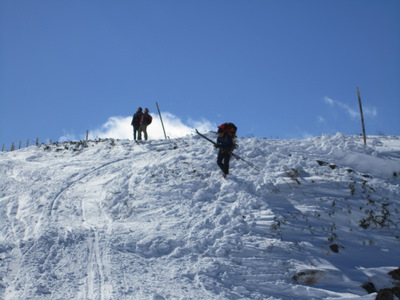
{"x": 228, "y": 128}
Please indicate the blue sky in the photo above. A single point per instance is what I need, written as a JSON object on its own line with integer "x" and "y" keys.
{"x": 277, "y": 69}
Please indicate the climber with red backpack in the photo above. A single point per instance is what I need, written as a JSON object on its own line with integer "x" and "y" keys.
{"x": 228, "y": 128}
{"x": 225, "y": 144}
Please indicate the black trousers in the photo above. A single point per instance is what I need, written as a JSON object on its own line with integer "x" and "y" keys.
{"x": 223, "y": 161}
{"x": 135, "y": 131}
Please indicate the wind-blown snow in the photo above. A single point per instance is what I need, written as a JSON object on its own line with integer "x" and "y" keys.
{"x": 113, "y": 219}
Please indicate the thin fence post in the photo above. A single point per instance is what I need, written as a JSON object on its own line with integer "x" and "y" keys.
{"x": 19, "y": 147}
{"x": 37, "y": 141}
{"x": 87, "y": 135}
{"x": 12, "y": 147}
{"x": 2, "y": 150}
{"x": 27, "y": 143}
{"x": 162, "y": 123}
{"x": 362, "y": 117}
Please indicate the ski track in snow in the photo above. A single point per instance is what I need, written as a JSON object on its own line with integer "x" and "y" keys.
{"x": 156, "y": 220}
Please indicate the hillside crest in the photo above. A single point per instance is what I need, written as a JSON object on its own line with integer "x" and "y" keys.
{"x": 112, "y": 219}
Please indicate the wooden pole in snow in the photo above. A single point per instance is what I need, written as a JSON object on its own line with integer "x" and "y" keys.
{"x": 162, "y": 123}
{"x": 362, "y": 116}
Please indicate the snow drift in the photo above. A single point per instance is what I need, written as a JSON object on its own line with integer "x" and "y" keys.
{"x": 112, "y": 219}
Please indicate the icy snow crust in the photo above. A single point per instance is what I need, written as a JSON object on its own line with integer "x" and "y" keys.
{"x": 113, "y": 219}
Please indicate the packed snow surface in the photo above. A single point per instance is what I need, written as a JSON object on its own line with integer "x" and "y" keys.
{"x": 114, "y": 219}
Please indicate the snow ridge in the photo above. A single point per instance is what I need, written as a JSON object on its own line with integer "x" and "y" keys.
{"x": 113, "y": 219}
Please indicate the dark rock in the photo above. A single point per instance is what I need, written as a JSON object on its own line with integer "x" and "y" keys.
{"x": 385, "y": 294}
{"x": 396, "y": 291}
{"x": 334, "y": 248}
{"x": 369, "y": 287}
{"x": 395, "y": 274}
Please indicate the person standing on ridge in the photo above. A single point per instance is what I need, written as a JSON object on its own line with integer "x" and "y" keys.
{"x": 137, "y": 117}
{"x": 225, "y": 145}
{"x": 144, "y": 122}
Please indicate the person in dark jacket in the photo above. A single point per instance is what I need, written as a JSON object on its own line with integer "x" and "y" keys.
{"x": 144, "y": 122}
{"x": 225, "y": 145}
{"x": 137, "y": 117}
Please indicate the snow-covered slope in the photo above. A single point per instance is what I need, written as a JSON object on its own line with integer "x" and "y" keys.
{"x": 113, "y": 219}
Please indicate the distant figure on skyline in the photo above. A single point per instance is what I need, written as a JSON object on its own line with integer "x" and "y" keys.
{"x": 144, "y": 122}
{"x": 137, "y": 117}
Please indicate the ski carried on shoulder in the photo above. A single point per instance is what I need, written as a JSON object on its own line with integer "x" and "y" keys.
{"x": 230, "y": 152}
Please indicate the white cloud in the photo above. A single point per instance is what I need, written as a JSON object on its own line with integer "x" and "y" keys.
{"x": 202, "y": 125}
{"x": 67, "y": 137}
{"x": 329, "y": 101}
{"x": 120, "y": 128}
{"x": 353, "y": 113}
{"x": 370, "y": 111}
